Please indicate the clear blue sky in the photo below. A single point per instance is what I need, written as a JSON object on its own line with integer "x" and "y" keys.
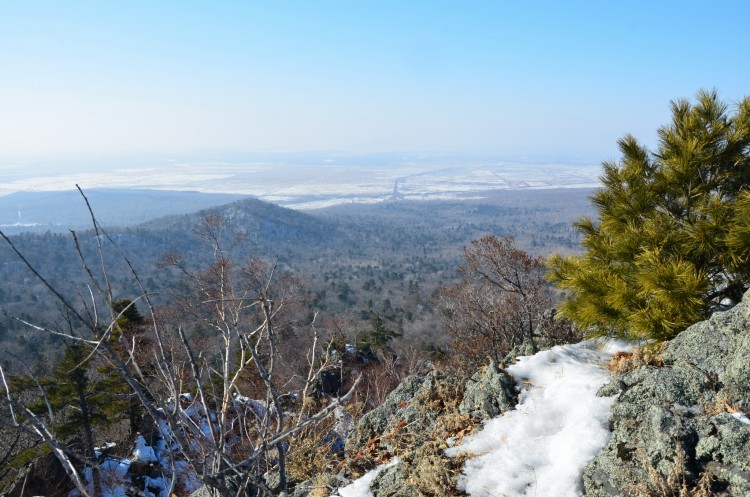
{"x": 493, "y": 77}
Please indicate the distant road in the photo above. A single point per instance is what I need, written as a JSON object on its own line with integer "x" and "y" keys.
{"x": 395, "y": 187}
{"x": 314, "y": 185}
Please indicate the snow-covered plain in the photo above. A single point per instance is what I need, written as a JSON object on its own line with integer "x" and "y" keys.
{"x": 559, "y": 425}
{"x": 312, "y": 186}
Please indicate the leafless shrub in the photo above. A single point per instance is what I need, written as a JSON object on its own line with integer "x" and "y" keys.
{"x": 188, "y": 370}
{"x": 498, "y": 303}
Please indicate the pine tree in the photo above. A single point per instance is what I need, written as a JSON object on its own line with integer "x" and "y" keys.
{"x": 130, "y": 324}
{"x": 672, "y": 240}
{"x": 80, "y": 397}
{"x": 375, "y": 338}
{"x": 129, "y": 315}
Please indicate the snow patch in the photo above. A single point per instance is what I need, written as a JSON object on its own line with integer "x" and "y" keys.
{"x": 143, "y": 452}
{"x": 361, "y": 486}
{"x": 558, "y": 426}
{"x": 741, "y": 416}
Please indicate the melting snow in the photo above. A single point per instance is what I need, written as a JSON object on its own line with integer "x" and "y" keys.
{"x": 559, "y": 425}
{"x": 143, "y": 452}
{"x": 742, "y": 417}
{"x": 538, "y": 449}
{"x": 361, "y": 486}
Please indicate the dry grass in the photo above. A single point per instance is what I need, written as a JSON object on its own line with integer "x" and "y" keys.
{"x": 713, "y": 408}
{"x": 675, "y": 484}
{"x": 649, "y": 355}
{"x": 443, "y": 397}
{"x": 427, "y": 468}
{"x": 454, "y": 425}
{"x": 310, "y": 452}
{"x": 434, "y": 474}
{"x": 320, "y": 487}
{"x": 430, "y": 470}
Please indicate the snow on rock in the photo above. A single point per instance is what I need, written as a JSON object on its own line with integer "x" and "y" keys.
{"x": 741, "y": 416}
{"x": 99, "y": 451}
{"x": 117, "y": 474}
{"x": 143, "y": 452}
{"x": 111, "y": 481}
{"x": 116, "y": 469}
{"x": 159, "y": 485}
{"x": 361, "y": 486}
{"x": 558, "y": 426}
{"x": 258, "y": 406}
{"x": 187, "y": 476}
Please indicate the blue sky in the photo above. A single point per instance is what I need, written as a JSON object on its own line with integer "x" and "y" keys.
{"x": 107, "y": 79}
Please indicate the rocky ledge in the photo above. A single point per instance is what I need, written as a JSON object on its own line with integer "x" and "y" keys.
{"x": 419, "y": 420}
{"x": 678, "y": 426}
{"x": 678, "y": 423}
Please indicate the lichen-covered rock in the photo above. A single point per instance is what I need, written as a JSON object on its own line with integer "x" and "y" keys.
{"x": 725, "y": 443}
{"x": 669, "y": 425}
{"x": 414, "y": 424}
{"x": 488, "y": 393}
{"x": 395, "y": 413}
{"x": 204, "y": 491}
{"x": 526, "y": 348}
{"x": 392, "y": 482}
{"x": 424, "y": 472}
{"x": 719, "y": 346}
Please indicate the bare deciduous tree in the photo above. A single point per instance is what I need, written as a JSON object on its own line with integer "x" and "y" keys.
{"x": 194, "y": 394}
{"x": 499, "y": 300}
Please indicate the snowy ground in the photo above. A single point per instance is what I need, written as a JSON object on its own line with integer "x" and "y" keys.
{"x": 559, "y": 425}
{"x": 538, "y": 449}
{"x": 541, "y": 447}
{"x": 361, "y": 486}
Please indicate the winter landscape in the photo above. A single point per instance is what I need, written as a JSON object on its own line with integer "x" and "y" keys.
{"x": 392, "y": 249}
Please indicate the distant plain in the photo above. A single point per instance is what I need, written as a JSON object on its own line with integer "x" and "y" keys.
{"x": 37, "y": 203}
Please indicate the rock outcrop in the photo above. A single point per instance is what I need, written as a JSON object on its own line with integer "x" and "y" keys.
{"x": 488, "y": 393}
{"x": 419, "y": 420}
{"x": 678, "y": 427}
{"x": 677, "y": 424}
{"x": 402, "y": 414}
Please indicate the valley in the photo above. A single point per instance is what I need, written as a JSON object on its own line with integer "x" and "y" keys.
{"x": 358, "y": 260}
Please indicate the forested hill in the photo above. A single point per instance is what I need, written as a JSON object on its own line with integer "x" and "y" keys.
{"x": 358, "y": 260}
{"x": 268, "y": 230}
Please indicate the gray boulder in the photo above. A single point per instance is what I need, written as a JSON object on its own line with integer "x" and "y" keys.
{"x": 719, "y": 347}
{"x": 415, "y": 421}
{"x": 393, "y": 482}
{"x": 203, "y": 491}
{"x": 488, "y": 393}
{"x": 406, "y": 419}
{"x": 670, "y": 425}
{"x": 403, "y": 412}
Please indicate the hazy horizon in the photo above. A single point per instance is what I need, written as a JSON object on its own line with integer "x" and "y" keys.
{"x": 89, "y": 84}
